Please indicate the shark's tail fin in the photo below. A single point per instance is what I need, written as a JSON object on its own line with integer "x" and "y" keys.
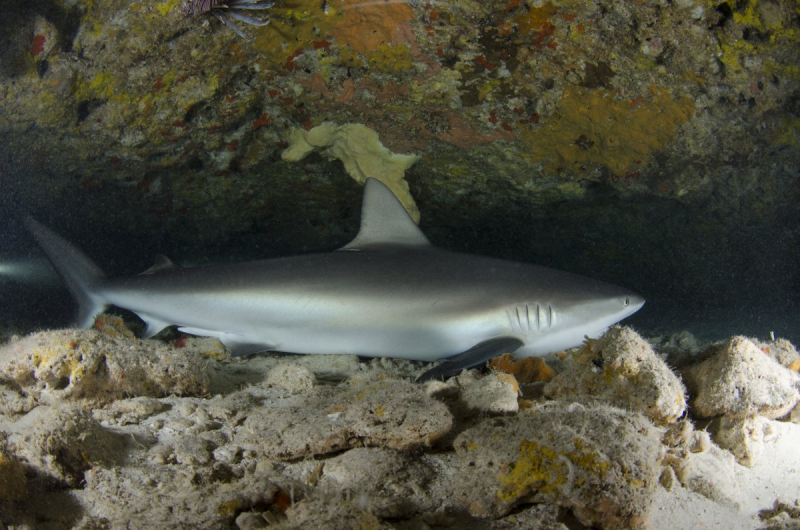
{"x": 82, "y": 276}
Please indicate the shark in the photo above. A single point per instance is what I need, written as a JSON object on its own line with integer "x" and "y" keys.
{"x": 387, "y": 293}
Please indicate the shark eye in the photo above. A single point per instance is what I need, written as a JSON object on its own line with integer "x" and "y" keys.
{"x": 626, "y": 302}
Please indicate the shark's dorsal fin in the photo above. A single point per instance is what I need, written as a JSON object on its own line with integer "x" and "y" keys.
{"x": 161, "y": 264}
{"x": 384, "y": 221}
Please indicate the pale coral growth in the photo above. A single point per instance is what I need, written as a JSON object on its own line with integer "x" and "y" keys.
{"x": 740, "y": 380}
{"x": 622, "y": 369}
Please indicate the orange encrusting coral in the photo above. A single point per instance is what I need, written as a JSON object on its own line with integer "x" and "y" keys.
{"x": 462, "y": 134}
{"x": 597, "y": 128}
{"x": 365, "y": 27}
{"x": 527, "y": 370}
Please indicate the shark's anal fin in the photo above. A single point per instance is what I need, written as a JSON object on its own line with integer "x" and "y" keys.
{"x": 237, "y": 344}
{"x": 242, "y": 348}
{"x": 154, "y": 325}
{"x": 478, "y": 354}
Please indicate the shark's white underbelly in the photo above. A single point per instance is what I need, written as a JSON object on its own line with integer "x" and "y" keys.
{"x": 331, "y": 327}
{"x": 423, "y": 344}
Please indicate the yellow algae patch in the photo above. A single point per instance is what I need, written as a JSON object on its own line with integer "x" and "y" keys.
{"x": 362, "y": 153}
{"x": 764, "y": 16}
{"x": 103, "y": 86}
{"x": 62, "y": 358}
{"x": 544, "y": 469}
{"x": 166, "y": 7}
{"x": 534, "y": 19}
{"x": 537, "y": 468}
{"x": 365, "y": 26}
{"x": 295, "y": 25}
{"x": 390, "y": 58}
{"x": 231, "y": 507}
{"x": 597, "y": 129}
{"x": 788, "y": 133}
{"x": 732, "y": 55}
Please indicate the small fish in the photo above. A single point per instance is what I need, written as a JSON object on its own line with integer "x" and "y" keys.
{"x": 228, "y": 11}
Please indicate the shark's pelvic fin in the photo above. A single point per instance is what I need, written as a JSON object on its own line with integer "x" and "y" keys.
{"x": 384, "y": 221}
{"x": 478, "y": 354}
{"x": 82, "y": 277}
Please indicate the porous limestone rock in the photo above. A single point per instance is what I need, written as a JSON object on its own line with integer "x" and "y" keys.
{"x": 692, "y": 460}
{"x": 333, "y": 512}
{"x": 174, "y": 496}
{"x": 361, "y": 152}
{"x": 387, "y": 483}
{"x": 738, "y": 379}
{"x": 133, "y": 410}
{"x": 622, "y": 369}
{"x": 536, "y": 517}
{"x": 782, "y": 516}
{"x": 238, "y": 372}
{"x": 52, "y": 366}
{"x": 743, "y": 437}
{"x": 710, "y": 473}
{"x": 291, "y": 377}
{"x": 494, "y": 393}
{"x": 679, "y": 349}
{"x": 14, "y": 399}
{"x": 471, "y": 394}
{"x": 598, "y": 460}
{"x": 63, "y": 442}
{"x": 782, "y": 351}
{"x": 367, "y": 411}
{"x": 794, "y": 416}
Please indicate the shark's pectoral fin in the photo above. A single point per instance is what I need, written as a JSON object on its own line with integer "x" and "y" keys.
{"x": 474, "y": 356}
{"x": 237, "y": 344}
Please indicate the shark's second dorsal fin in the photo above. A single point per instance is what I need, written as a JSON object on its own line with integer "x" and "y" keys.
{"x": 162, "y": 264}
{"x": 384, "y": 221}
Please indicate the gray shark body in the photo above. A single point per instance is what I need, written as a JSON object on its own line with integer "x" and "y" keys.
{"x": 389, "y": 293}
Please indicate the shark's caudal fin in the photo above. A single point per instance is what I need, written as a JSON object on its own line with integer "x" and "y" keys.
{"x": 81, "y": 275}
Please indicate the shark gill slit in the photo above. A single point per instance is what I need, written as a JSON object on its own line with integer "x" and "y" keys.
{"x": 522, "y": 321}
{"x": 527, "y": 318}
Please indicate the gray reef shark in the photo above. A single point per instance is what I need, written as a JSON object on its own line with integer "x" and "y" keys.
{"x": 388, "y": 293}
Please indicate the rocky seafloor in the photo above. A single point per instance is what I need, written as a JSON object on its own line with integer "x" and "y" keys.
{"x": 99, "y": 429}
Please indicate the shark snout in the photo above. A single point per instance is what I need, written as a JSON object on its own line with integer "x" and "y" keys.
{"x": 633, "y": 302}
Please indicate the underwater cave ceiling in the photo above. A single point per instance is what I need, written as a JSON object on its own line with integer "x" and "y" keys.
{"x": 534, "y": 124}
